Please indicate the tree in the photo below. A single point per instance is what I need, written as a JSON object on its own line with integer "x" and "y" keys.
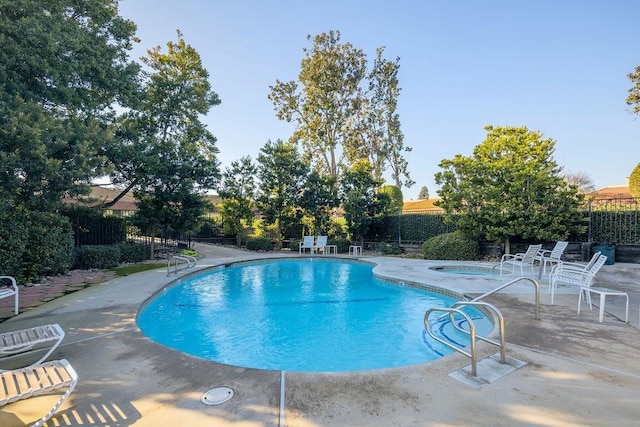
{"x": 238, "y": 193}
{"x": 634, "y": 181}
{"x": 163, "y": 139}
{"x": 634, "y": 93}
{"x": 282, "y": 174}
{"x": 384, "y": 92}
{"x": 319, "y": 197}
{"x": 581, "y": 180}
{"x": 510, "y": 187}
{"x": 362, "y": 204}
{"x": 64, "y": 68}
{"x": 396, "y": 202}
{"x": 163, "y": 146}
{"x": 424, "y": 193}
{"x": 331, "y": 73}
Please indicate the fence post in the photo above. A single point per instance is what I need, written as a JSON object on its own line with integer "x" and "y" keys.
{"x": 590, "y": 218}
{"x": 400, "y": 228}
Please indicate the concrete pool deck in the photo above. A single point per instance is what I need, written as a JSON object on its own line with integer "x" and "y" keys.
{"x": 578, "y": 372}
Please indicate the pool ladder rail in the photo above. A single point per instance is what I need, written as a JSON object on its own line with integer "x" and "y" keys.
{"x": 187, "y": 261}
{"x": 453, "y": 310}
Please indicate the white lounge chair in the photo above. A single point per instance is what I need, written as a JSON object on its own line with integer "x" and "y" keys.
{"x": 307, "y": 243}
{"x": 39, "y": 337}
{"x": 520, "y": 259}
{"x": 574, "y": 274}
{"x": 10, "y": 291}
{"x": 19, "y": 384}
{"x": 550, "y": 257}
{"x": 321, "y": 244}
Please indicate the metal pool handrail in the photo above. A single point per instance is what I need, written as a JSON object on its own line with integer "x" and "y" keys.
{"x": 499, "y": 288}
{"x": 501, "y": 343}
{"x": 451, "y": 311}
{"x": 188, "y": 259}
{"x": 471, "y": 332}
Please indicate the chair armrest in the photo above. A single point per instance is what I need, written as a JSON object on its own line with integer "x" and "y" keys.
{"x": 13, "y": 285}
{"x": 543, "y": 253}
{"x": 572, "y": 265}
{"x": 517, "y": 256}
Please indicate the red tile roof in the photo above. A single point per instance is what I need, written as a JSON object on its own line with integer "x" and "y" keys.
{"x": 422, "y": 205}
{"x": 613, "y": 192}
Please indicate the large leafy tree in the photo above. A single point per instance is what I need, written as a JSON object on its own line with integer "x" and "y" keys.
{"x": 375, "y": 133}
{"x": 331, "y": 74}
{"x": 282, "y": 174}
{"x": 164, "y": 148}
{"x": 633, "y": 99}
{"x": 424, "y": 193}
{"x": 509, "y": 188}
{"x": 396, "y": 200}
{"x": 363, "y": 205}
{"x": 238, "y": 191}
{"x": 63, "y": 68}
{"x": 634, "y": 181}
{"x": 318, "y": 198}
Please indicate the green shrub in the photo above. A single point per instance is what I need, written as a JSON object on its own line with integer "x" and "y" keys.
{"x": 101, "y": 257}
{"x": 390, "y": 248}
{"x": 189, "y": 252}
{"x": 49, "y": 245}
{"x": 12, "y": 241}
{"x": 259, "y": 244}
{"x": 338, "y": 229}
{"x": 341, "y": 244}
{"x": 209, "y": 227}
{"x": 131, "y": 252}
{"x": 294, "y": 244}
{"x": 33, "y": 244}
{"x": 451, "y": 246}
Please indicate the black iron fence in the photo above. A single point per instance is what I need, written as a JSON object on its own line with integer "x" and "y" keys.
{"x": 614, "y": 221}
{"x": 608, "y": 221}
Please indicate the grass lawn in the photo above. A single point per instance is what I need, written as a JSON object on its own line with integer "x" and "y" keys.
{"x": 137, "y": 268}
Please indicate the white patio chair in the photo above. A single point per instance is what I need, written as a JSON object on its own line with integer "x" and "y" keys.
{"x": 550, "y": 257}
{"x": 574, "y": 274}
{"x": 10, "y": 291}
{"x": 19, "y": 384}
{"x": 307, "y": 243}
{"x": 520, "y": 259}
{"x": 321, "y": 244}
{"x": 40, "y": 337}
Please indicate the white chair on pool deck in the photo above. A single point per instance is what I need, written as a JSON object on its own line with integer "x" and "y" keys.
{"x": 19, "y": 384}
{"x": 550, "y": 256}
{"x": 307, "y": 243}
{"x": 520, "y": 259}
{"x": 10, "y": 291}
{"x": 46, "y": 337}
{"x": 321, "y": 244}
{"x": 574, "y": 274}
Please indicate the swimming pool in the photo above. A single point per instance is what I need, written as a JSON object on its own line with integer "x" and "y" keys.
{"x": 300, "y": 315}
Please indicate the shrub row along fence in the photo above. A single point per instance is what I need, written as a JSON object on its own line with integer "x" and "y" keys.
{"x": 614, "y": 221}
{"x": 608, "y": 221}
{"x": 415, "y": 228}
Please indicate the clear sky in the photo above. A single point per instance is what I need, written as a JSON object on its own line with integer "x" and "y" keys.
{"x": 556, "y": 66}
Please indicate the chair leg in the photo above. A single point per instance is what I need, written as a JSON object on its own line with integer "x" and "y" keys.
{"x": 579, "y": 300}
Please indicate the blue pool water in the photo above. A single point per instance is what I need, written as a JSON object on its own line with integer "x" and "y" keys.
{"x": 300, "y": 315}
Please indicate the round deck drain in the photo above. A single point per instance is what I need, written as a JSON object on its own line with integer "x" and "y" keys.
{"x": 217, "y": 396}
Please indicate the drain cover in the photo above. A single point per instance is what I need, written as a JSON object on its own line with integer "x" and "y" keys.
{"x": 217, "y": 396}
